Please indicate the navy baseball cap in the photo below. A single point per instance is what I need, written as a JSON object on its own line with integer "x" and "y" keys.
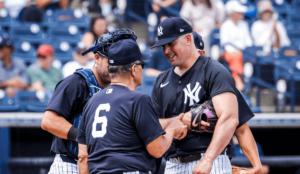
{"x": 124, "y": 52}
{"x": 198, "y": 41}
{"x": 170, "y": 29}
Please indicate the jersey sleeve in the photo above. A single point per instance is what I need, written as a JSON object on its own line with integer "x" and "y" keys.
{"x": 69, "y": 94}
{"x": 146, "y": 121}
{"x": 219, "y": 79}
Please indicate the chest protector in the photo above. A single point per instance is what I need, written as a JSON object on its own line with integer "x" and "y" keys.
{"x": 94, "y": 87}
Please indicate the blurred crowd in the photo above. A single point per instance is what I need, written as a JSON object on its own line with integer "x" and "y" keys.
{"x": 204, "y": 15}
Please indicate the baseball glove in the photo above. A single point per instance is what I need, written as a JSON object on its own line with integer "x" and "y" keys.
{"x": 205, "y": 112}
{"x": 241, "y": 170}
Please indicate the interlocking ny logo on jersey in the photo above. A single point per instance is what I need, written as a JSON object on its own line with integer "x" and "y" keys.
{"x": 190, "y": 93}
{"x": 159, "y": 31}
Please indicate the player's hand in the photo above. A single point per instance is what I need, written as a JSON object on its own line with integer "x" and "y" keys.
{"x": 203, "y": 167}
{"x": 186, "y": 120}
{"x": 180, "y": 130}
{"x": 258, "y": 170}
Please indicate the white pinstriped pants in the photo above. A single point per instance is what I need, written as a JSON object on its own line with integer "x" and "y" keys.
{"x": 60, "y": 167}
{"x": 221, "y": 165}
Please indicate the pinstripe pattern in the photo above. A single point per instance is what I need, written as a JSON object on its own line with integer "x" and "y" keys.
{"x": 221, "y": 165}
{"x": 137, "y": 172}
{"x": 60, "y": 167}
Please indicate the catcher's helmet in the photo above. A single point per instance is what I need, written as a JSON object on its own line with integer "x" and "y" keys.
{"x": 101, "y": 45}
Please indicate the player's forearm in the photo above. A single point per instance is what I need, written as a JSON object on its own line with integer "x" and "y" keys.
{"x": 161, "y": 144}
{"x": 83, "y": 159}
{"x": 83, "y": 166}
{"x": 248, "y": 146}
{"x": 164, "y": 122}
{"x": 223, "y": 133}
{"x": 55, "y": 124}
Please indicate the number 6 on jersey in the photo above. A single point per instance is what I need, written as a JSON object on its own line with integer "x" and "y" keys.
{"x": 100, "y": 119}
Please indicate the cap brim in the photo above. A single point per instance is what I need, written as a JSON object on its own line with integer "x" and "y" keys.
{"x": 146, "y": 56}
{"x": 164, "y": 42}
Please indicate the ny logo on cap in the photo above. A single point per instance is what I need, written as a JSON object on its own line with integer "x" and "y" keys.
{"x": 159, "y": 31}
{"x": 111, "y": 61}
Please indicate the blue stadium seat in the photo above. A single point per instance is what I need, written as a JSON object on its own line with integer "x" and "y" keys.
{"x": 294, "y": 35}
{"x": 63, "y": 51}
{"x": 147, "y": 85}
{"x": 67, "y": 33}
{"x": 293, "y": 17}
{"x": 33, "y": 101}
{"x": 296, "y": 4}
{"x": 215, "y": 37}
{"x": 5, "y": 19}
{"x": 25, "y": 51}
{"x": 30, "y": 32}
{"x": 3, "y": 33}
{"x": 8, "y": 104}
{"x": 72, "y": 17}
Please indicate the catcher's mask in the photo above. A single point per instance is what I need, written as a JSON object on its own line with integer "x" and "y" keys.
{"x": 101, "y": 45}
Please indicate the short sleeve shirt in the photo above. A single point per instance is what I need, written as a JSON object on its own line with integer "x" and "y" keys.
{"x": 49, "y": 78}
{"x": 68, "y": 100}
{"x": 17, "y": 68}
{"x": 173, "y": 94}
{"x": 117, "y": 125}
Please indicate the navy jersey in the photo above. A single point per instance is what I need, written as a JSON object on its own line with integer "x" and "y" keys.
{"x": 173, "y": 94}
{"x": 116, "y": 126}
{"x": 68, "y": 100}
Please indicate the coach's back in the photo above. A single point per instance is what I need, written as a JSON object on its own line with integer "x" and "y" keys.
{"x": 117, "y": 131}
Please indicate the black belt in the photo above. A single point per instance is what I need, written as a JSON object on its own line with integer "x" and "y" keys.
{"x": 125, "y": 172}
{"x": 191, "y": 158}
{"x": 68, "y": 159}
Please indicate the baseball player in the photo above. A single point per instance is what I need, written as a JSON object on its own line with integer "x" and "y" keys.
{"x": 119, "y": 131}
{"x": 64, "y": 110}
{"x": 195, "y": 79}
{"x": 243, "y": 133}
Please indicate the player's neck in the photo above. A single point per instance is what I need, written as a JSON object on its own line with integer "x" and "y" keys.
{"x": 188, "y": 63}
{"x": 124, "y": 82}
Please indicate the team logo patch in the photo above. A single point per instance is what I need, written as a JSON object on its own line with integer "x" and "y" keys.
{"x": 108, "y": 91}
{"x": 190, "y": 93}
{"x": 111, "y": 61}
{"x": 181, "y": 30}
{"x": 159, "y": 31}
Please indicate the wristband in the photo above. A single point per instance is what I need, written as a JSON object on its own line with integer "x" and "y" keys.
{"x": 72, "y": 134}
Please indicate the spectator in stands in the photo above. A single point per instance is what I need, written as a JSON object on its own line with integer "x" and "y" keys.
{"x": 204, "y": 16}
{"x": 13, "y": 75}
{"x": 41, "y": 74}
{"x": 98, "y": 27}
{"x": 237, "y": 152}
{"x": 79, "y": 61}
{"x": 268, "y": 32}
{"x": 160, "y": 6}
{"x": 14, "y": 6}
{"x": 52, "y": 4}
{"x": 235, "y": 37}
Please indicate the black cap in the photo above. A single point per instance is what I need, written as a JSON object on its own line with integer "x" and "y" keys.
{"x": 170, "y": 29}
{"x": 198, "y": 41}
{"x": 5, "y": 42}
{"x": 124, "y": 52}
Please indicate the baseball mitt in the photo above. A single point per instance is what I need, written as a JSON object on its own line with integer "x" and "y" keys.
{"x": 205, "y": 112}
{"x": 241, "y": 170}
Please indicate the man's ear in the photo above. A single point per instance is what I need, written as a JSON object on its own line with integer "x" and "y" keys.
{"x": 189, "y": 39}
{"x": 133, "y": 70}
{"x": 97, "y": 59}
